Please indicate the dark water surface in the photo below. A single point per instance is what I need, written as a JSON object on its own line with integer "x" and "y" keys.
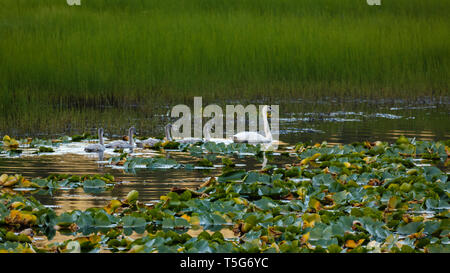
{"x": 335, "y": 121}
{"x": 329, "y": 121}
{"x": 151, "y": 184}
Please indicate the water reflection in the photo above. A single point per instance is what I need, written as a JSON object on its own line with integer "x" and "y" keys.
{"x": 151, "y": 184}
{"x": 332, "y": 122}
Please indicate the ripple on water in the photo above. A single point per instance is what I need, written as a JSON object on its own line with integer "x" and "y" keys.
{"x": 328, "y": 123}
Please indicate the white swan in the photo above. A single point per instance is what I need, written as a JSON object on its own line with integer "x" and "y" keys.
{"x": 264, "y": 163}
{"x": 254, "y": 137}
{"x": 187, "y": 140}
{"x": 208, "y": 137}
{"x": 167, "y": 134}
{"x": 97, "y": 147}
{"x": 120, "y": 144}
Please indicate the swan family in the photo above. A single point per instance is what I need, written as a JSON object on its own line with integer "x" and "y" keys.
{"x": 242, "y": 137}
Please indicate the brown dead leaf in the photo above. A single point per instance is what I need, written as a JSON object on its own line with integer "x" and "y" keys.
{"x": 353, "y": 244}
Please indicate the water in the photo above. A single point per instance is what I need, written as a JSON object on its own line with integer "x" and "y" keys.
{"x": 329, "y": 121}
{"x": 324, "y": 119}
{"x": 151, "y": 184}
{"x": 359, "y": 121}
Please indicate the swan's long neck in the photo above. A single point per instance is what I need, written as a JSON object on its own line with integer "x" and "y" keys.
{"x": 267, "y": 132}
{"x": 130, "y": 136}
{"x": 264, "y": 164}
{"x": 168, "y": 136}
{"x": 100, "y": 136}
{"x": 207, "y": 133}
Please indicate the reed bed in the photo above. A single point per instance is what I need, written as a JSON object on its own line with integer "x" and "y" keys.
{"x": 115, "y": 53}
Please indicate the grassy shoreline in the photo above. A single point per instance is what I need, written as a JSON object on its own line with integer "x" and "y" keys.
{"x": 126, "y": 50}
{"x": 57, "y": 61}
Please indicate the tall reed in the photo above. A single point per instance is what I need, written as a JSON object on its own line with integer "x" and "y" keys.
{"x": 115, "y": 52}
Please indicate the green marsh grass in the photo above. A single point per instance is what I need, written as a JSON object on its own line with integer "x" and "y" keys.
{"x": 116, "y": 53}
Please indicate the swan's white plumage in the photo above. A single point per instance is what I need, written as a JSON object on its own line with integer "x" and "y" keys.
{"x": 120, "y": 144}
{"x": 147, "y": 142}
{"x": 254, "y": 137}
{"x": 187, "y": 140}
{"x": 97, "y": 147}
{"x": 250, "y": 137}
{"x": 208, "y": 137}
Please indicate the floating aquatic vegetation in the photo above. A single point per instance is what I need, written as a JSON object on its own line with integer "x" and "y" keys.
{"x": 43, "y": 149}
{"x": 360, "y": 197}
{"x": 90, "y": 183}
{"x": 343, "y": 113}
{"x": 221, "y": 148}
{"x": 10, "y": 180}
{"x": 388, "y": 116}
{"x": 16, "y": 247}
{"x": 339, "y": 116}
{"x": 36, "y": 146}
{"x": 77, "y": 138}
{"x": 170, "y": 145}
{"x": 412, "y": 107}
{"x": 327, "y": 119}
{"x": 207, "y": 151}
{"x": 153, "y": 163}
{"x": 10, "y": 143}
{"x": 37, "y": 142}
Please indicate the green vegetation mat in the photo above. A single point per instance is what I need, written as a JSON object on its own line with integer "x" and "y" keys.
{"x": 362, "y": 197}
